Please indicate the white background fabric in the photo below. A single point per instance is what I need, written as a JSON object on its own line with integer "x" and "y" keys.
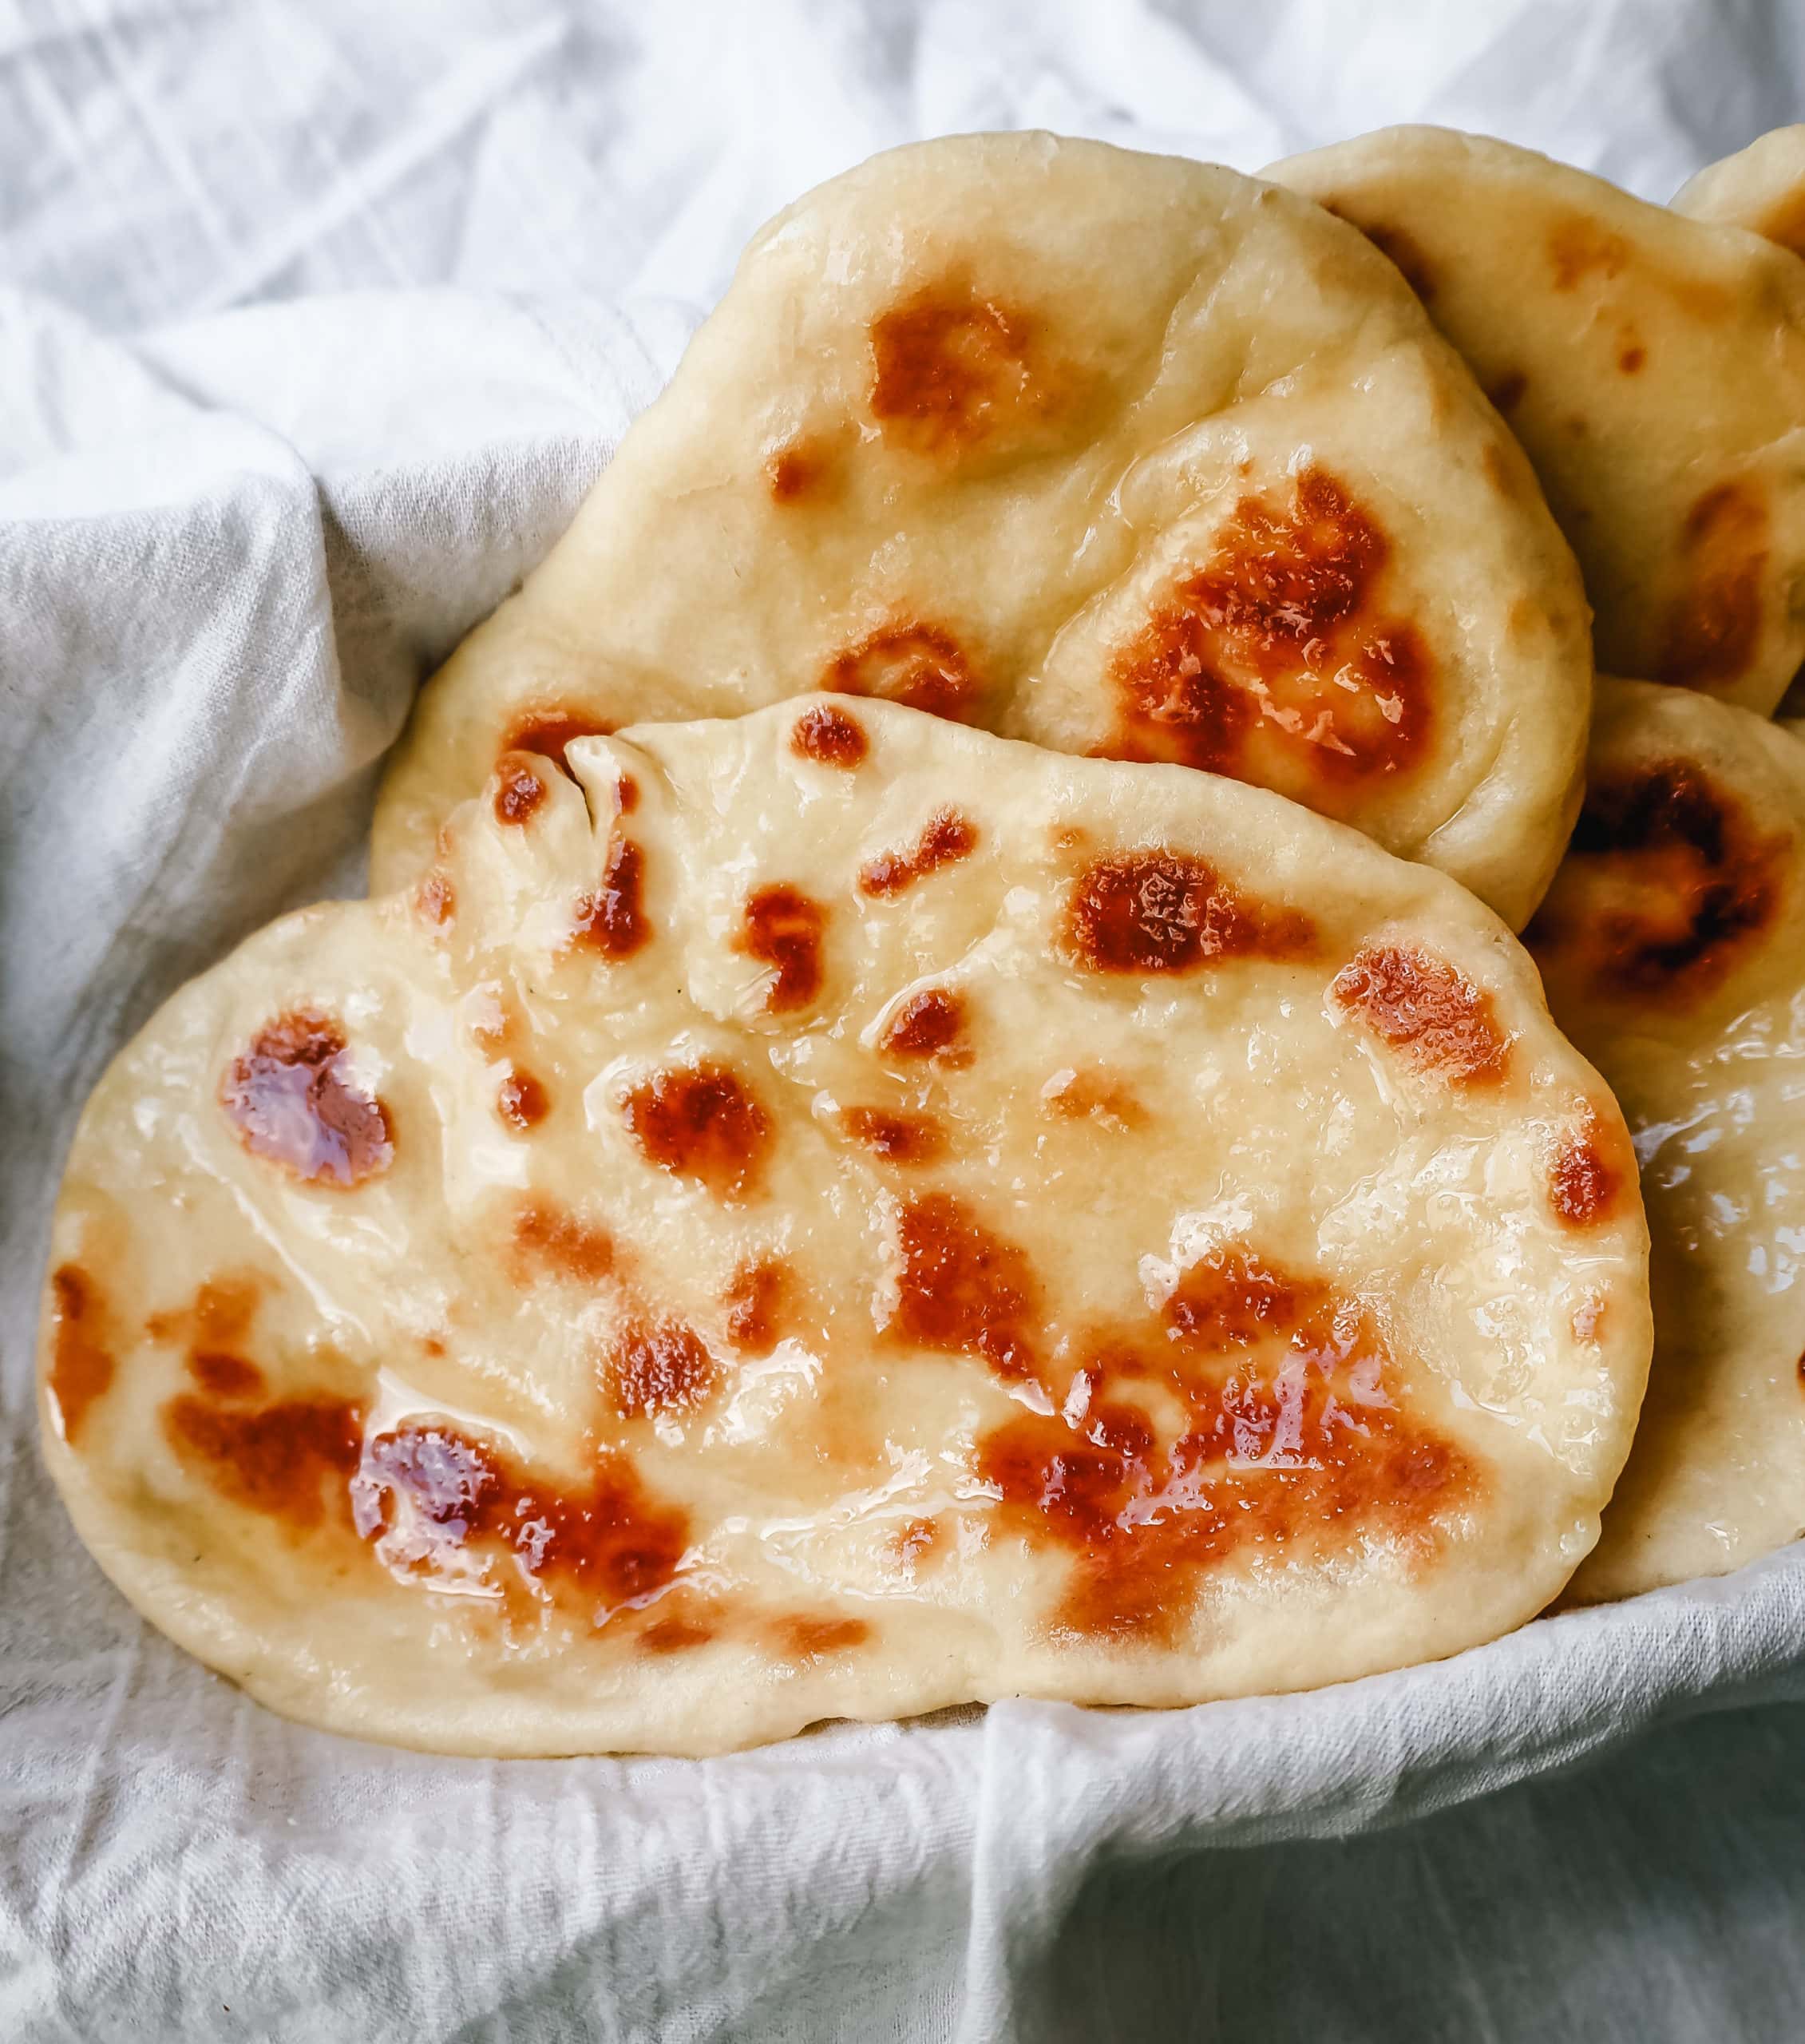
{"x": 241, "y": 513}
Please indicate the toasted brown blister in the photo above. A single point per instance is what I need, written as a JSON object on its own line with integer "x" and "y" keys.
{"x": 1672, "y": 945}
{"x": 1127, "y": 455}
{"x": 1652, "y": 367}
{"x": 1158, "y": 1249}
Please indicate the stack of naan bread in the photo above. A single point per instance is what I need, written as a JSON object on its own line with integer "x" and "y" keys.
{"x": 937, "y": 1100}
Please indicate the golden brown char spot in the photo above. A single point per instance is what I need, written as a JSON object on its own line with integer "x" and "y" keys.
{"x": 699, "y": 1121}
{"x": 964, "y": 1289}
{"x": 612, "y": 920}
{"x": 550, "y": 1239}
{"x": 916, "y": 663}
{"x": 430, "y": 1495}
{"x": 519, "y": 790}
{"x": 1632, "y": 358}
{"x": 658, "y": 1366}
{"x": 897, "y": 1137}
{"x": 290, "y": 1098}
{"x": 290, "y": 1460}
{"x": 830, "y": 737}
{"x": 1579, "y": 249}
{"x": 1093, "y": 1095}
{"x": 1290, "y": 1443}
{"x": 1431, "y": 1014}
{"x": 1714, "y": 629}
{"x": 82, "y": 1359}
{"x": 224, "y": 1376}
{"x": 806, "y": 1638}
{"x": 1592, "y": 1166}
{"x": 1160, "y": 911}
{"x": 626, "y": 795}
{"x": 545, "y": 730}
{"x": 783, "y": 928}
{"x": 757, "y": 1296}
{"x": 675, "y": 1634}
{"x": 436, "y": 900}
{"x": 1275, "y": 662}
{"x": 951, "y": 370}
{"x": 933, "y": 1023}
{"x": 946, "y": 837}
{"x": 522, "y": 1102}
{"x": 801, "y": 467}
{"x": 1667, "y": 885}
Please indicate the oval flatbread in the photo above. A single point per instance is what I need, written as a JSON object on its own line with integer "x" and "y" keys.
{"x": 1672, "y": 945}
{"x": 1121, "y": 453}
{"x": 1761, "y": 188}
{"x": 1653, "y": 367}
{"x": 839, "y": 1215}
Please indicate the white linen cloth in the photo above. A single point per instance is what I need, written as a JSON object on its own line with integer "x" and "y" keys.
{"x": 315, "y": 322}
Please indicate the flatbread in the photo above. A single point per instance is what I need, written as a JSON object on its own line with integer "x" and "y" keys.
{"x": 1761, "y": 188}
{"x": 1653, "y": 367}
{"x": 880, "y": 1217}
{"x": 1005, "y": 406}
{"x": 1672, "y": 944}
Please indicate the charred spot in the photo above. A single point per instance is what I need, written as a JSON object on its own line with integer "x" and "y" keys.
{"x": 757, "y": 1298}
{"x": 522, "y": 1102}
{"x": 965, "y": 1290}
{"x": 783, "y": 929}
{"x": 946, "y": 837}
{"x": 658, "y": 1366}
{"x": 81, "y": 1358}
{"x": 436, "y": 899}
{"x": 1578, "y": 249}
{"x": 920, "y": 665}
{"x": 830, "y": 737}
{"x": 1275, "y": 662}
{"x": 897, "y": 1137}
{"x": 675, "y": 1634}
{"x": 1427, "y": 1011}
{"x": 1714, "y": 629}
{"x": 289, "y": 1460}
{"x": 1666, "y": 884}
{"x": 291, "y": 1100}
{"x": 519, "y": 791}
{"x": 546, "y": 731}
{"x": 1506, "y": 393}
{"x": 612, "y": 920}
{"x": 933, "y": 1023}
{"x": 700, "y": 1121}
{"x": 547, "y": 1238}
{"x": 430, "y": 1497}
{"x": 1158, "y": 911}
{"x": 221, "y": 1374}
{"x": 1229, "y": 1298}
{"x": 1632, "y": 358}
{"x": 806, "y": 1638}
{"x": 951, "y": 370}
{"x": 799, "y": 468}
{"x": 1589, "y": 1172}
{"x": 1290, "y": 1445}
{"x": 626, "y": 795}
{"x": 1093, "y": 1095}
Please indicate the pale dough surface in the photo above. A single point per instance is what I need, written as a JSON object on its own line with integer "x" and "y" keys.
{"x": 1761, "y": 188}
{"x": 842, "y": 1214}
{"x": 1122, "y": 454}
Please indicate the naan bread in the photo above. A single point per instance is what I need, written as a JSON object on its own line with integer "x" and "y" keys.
{"x": 1672, "y": 945}
{"x": 1117, "y": 453}
{"x": 1653, "y": 368}
{"x": 1761, "y": 188}
{"x": 880, "y": 1217}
